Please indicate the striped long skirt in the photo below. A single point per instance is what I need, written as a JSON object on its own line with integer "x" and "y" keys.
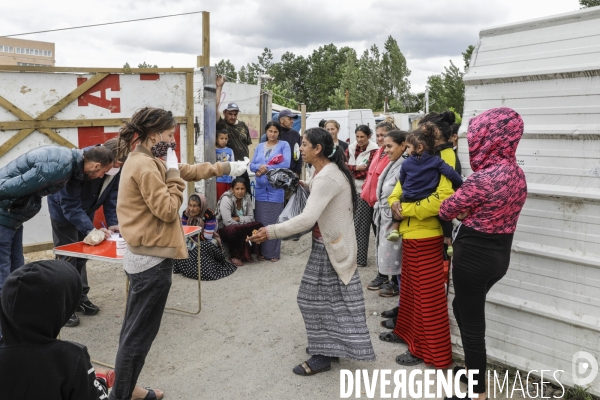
{"x": 334, "y": 313}
{"x": 423, "y": 321}
{"x": 363, "y": 218}
{"x": 267, "y": 214}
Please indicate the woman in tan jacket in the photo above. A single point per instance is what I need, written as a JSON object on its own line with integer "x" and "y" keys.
{"x": 150, "y": 196}
{"x": 330, "y": 295}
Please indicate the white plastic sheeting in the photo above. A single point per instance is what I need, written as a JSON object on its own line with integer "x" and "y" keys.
{"x": 547, "y": 308}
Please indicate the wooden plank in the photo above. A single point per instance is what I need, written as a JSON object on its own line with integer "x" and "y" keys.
{"x": 206, "y": 38}
{"x": 16, "y": 111}
{"x": 190, "y": 133}
{"x": 65, "y": 101}
{"x": 43, "y": 246}
{"x": 10, "y": 143}
{"x": 57, "y": 138}
{"x": 18, "y": 68}
{"x": 70, "y": 123}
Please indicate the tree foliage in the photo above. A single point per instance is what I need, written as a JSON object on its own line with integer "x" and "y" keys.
{"x": 589, "y": 3}
{"x": 227, "y": 69}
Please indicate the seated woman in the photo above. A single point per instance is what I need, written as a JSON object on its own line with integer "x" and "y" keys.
{"x": 214, "y": 266}
{"x": 236, "y": 223}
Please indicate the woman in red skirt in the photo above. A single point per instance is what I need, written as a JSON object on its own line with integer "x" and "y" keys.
{"x": 423, "y": 322}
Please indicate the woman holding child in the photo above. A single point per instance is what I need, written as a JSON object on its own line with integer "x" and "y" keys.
{"x": 423, "y": 322}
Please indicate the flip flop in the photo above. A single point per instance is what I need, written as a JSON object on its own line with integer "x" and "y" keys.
{"x": 390, "y": 337}
{"x": 305, "y": 370}
{"x": 274, "y": 259}
{"x": 260, "y": 258}
{"x": 389, "y": 323}
{"x": 393, "y": 313}
{"x": 407, "y": 359}
{"x": 152, "y": 395}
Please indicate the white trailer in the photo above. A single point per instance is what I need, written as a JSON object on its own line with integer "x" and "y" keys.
{"x": 349, "y": 120}
{"x": 546, "y": 310}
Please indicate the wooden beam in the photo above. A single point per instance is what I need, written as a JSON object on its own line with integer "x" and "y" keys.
{"x": 43, "y": 246}
{"x": 206, "y": 38}
{"x": 14, "y": 140}
{"x": 69, "y": 123}
{"x": 68, "y": 99}
{"x": 18, "y": 68}
{"x": 190, "y": 133}
{"x": 14, "y": 110}
{"x": 57, "y": 138}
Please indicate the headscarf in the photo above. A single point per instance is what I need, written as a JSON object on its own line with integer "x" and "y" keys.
{"x": 37, "y": 301}
{"x": 197, "y": 220}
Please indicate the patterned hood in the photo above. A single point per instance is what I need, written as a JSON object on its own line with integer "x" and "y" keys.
{"x": 493, "y": 137}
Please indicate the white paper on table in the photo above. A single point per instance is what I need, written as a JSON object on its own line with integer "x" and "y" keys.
{"x": 114, "y": 237}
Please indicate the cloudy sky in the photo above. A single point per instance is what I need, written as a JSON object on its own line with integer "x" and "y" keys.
{"x": 430, "y": 33}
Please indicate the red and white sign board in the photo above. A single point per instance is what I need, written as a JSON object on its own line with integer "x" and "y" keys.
{"x": 116, "y": 96}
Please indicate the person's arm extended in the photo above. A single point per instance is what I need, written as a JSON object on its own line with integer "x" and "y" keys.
{"x": 321, "y": 195}
{"x": 164, "y": 199}
{"x": 220, "y": 81}
{"x": 196, "y": 172}
{"x": 472, "y": 193}
{"x": 445, "y": 169}
{"x": 70, "y": 203}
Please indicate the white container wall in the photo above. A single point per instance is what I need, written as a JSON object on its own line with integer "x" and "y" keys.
{"x": 547, "y": 308}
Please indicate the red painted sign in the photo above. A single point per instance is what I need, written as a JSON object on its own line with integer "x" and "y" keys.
{"x": 111, "y": 82}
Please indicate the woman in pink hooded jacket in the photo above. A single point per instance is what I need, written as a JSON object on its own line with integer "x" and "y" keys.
{"x": 488, "y": 203}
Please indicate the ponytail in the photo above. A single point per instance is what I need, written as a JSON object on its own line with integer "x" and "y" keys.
{"x": 143, "y": 123}
{"x": 334, "y": 154}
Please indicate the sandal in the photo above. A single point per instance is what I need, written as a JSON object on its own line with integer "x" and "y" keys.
{"x": 390, "y": 337}
{"x": 249, "y": 260}
{"x": 334, "y": 359}
{"x": 389, "y": 323}
{"x": 152, "y": 395}
{"x": 407, "y": 359}
{"x": 305, "y": 370}
{"x": 275, "y": 260}
{"x": 237, "y": 262}
{"x": 260, "y": 258}
{"x": 393, "y": 313}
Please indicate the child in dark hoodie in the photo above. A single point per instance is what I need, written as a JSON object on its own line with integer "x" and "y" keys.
{"x": 37, "y": 300}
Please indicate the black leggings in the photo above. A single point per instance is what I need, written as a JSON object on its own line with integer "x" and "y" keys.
{"x": 480, "y": 260}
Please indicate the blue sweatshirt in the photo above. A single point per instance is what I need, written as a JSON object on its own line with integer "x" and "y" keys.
{"x": 264, "y": 191}
{"x": 420, "y": 176}
{"x": 224, "y": 155}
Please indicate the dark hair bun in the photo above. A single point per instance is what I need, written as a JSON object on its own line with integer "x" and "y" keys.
{"x": 449, "y": 117}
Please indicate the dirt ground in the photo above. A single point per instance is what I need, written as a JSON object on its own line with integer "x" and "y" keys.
{"x": 245, "y": 341}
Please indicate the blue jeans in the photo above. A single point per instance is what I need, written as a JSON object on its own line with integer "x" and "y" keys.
{"x": 11, "y": 251}
{"x": 148, "y": 292}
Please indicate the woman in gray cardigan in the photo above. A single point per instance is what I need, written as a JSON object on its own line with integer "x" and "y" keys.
{"x": 330, "y": 296}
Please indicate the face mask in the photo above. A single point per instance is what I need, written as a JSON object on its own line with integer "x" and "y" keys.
{"x": 113, "y": 171}
{"x": 159, "y": 150}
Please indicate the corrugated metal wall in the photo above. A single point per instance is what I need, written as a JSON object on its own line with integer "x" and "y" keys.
{"x": 547, "y": 307}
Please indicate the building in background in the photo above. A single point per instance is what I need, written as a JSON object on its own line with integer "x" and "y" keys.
{"x": 28, "y": 53}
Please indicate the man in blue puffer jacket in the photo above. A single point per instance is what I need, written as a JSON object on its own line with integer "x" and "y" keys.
{"x": 72, "y": 211}
{"x": 23, "y": 183}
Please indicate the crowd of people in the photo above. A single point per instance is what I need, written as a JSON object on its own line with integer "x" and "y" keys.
{"x": 406, "y": 187}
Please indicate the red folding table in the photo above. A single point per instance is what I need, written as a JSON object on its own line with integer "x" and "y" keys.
{"x": 107, "y": 252}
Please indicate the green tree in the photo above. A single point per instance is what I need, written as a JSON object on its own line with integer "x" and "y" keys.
{"x": 437, "y": 93}
{"x": 324, "y": 75}
{"x": 468, "y": 54}
{"x": 589, "y": 3}
{"x": 146, "y": 65}
{"x": 368, "y": 93}
{"x": 227, "y": 69}
{"x": 454, "y": 87}
{"x": 349, "y": 80}
{"x": 394, "y": 76}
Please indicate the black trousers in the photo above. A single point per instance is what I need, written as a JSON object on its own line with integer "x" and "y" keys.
{"x": 480, "y": 260}
{"x": 148, "y": 292}
{"x": 66, "y": 234}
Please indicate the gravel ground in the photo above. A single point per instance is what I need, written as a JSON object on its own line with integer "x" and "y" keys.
{"x": 245, "y": 341}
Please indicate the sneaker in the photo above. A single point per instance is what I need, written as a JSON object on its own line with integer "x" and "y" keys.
{"x": 389, "y": 290}
{"x": 376, "y": 283}
{"x": 394, "y": 236}
{"x": 87, "y": 308}
{"x": 73, "y": 321}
